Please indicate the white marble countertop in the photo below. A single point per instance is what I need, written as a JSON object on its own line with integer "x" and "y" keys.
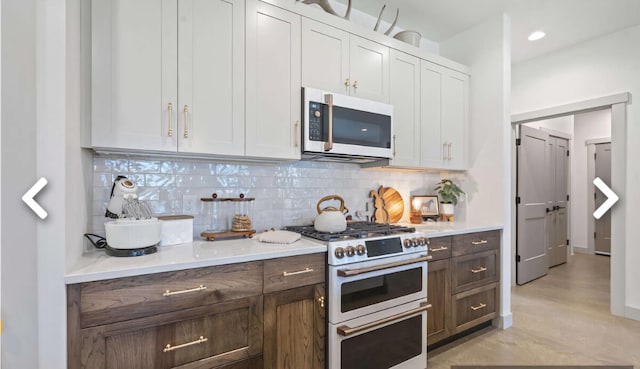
{"x": 96, "y": 265}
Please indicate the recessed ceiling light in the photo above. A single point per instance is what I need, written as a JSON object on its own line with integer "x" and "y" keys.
{"x": 535, "y": 36}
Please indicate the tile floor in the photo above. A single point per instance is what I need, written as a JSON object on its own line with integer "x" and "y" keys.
{"x": 560, "y": 319}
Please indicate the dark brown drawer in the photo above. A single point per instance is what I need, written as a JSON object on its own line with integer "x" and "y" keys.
{"x": 440, "y": 248}
{"x": 474, "y": 270}
{"x": 115, "y": 300}
{"x": 222, "y": 334}
{"x": 475, "y": 242}
{"x": 473, "y": 307}
{"x": 295, "y": 271}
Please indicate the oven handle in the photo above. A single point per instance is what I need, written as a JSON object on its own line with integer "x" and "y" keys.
{"x": 328, "y": 99}
{"x": 347, "y": 331}
{"x": 355, "y": 272}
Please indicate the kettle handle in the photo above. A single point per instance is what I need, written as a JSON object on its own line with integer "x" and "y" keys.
{"x": 332, "y": 197}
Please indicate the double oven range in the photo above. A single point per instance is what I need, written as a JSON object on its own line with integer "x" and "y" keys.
{"x": 377, "y": 296}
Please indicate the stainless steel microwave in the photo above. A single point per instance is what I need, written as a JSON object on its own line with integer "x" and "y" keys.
{"x": 346, "y": 128}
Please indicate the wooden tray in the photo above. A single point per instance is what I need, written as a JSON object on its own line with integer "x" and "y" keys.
{"x": 226, "y": 235}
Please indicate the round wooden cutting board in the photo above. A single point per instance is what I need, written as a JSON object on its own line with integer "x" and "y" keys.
{"x": 393, "y": 204}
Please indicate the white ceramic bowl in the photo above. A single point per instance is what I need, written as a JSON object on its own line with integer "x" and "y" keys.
{"x": 410, "y": 37}
{"x": 133, "y": 234}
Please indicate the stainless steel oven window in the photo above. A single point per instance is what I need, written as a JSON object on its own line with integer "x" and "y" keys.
{"x": 370, "y": 291}
{"x": 385, "y": 347}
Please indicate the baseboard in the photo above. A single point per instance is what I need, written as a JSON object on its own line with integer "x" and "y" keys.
{"x": 632, "y": 313}
{"x": 503, "y": 321}
{"x": 581, "y": 250}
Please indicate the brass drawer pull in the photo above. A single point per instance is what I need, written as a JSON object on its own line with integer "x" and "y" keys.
{"x": 171, "y": 293}
{"x": 169, "y": 348}
{"x": 479, "y": 270}
{"x": 481, "y": 306}
{"x": 186, "y": 121}
{"x": 170, "y": 111}
{"x": 441, "y": 248}
{"x": 481, "y": 242}
{"x": 305, "y": 270}
{"x": 345, "y": 330}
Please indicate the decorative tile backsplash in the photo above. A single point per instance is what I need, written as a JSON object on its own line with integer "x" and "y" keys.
{"x": 285, "y": 193}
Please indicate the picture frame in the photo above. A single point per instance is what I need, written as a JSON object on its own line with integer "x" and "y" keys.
{"x": 427, "y": 205}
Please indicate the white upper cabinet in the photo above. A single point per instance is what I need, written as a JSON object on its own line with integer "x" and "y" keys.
{"x": 168, "y": 75}
{"x": 211, "y": 77}
{"x": 444, "y": 116}
{"x": 405, "y": 97}
{"x": 134, "y": 74}
{"x": 273, "y": 88}
{"x": 334, "y": 60}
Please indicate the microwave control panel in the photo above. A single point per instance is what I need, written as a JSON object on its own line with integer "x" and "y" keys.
{"x": 315, "y": 121}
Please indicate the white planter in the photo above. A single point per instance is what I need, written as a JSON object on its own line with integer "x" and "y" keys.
{"x": 447, "y": 209}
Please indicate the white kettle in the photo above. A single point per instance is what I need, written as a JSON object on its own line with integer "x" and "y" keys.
{"x": 331, "y": 219}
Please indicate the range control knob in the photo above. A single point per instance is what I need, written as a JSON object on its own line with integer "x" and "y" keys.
{"x": 350, "y": 251}
{"x": 408, "y": 243}
{"x": 339, "y": 252}
{"x": 316, "y": 113}
{"x": 424, "y": 241}
{"x": 361, "y": 250}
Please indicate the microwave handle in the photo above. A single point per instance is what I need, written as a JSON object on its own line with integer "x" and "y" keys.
{"x": 328, "y": 99}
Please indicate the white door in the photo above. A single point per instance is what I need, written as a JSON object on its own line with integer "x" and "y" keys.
{"x": 211, "y": 77}
{"x": 405, "y": 97}
{"x": 533, "y": 183}
{"x": 134, "y": 74}
{"x": 603, "y": 225}
{"x": 325, "y": 57}
{"x": 273, "y": 89}
{"x": 560, "y": 190}
{"x": 431, "y": 147}
{"x": 369, "y": 69}
{"x": 455, "y": 107}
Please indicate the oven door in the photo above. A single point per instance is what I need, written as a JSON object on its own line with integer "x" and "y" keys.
{"x": 346, "y": 125}
{"x": 393, "y": 338}
{"x": 363, "y": 288}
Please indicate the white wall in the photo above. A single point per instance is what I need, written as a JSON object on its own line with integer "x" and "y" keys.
{"x": 588, "y": 126}
{"x": 563, "y": 125}
{"x": 487, "y": 50}
{"x": 604, "y": 66}
{"x": 19, "y": 243}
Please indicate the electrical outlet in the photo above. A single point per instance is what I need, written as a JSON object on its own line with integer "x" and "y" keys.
{"x": 190, "y": 204}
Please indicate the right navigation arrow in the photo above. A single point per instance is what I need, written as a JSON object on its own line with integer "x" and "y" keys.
{"x": 612, "y": 198}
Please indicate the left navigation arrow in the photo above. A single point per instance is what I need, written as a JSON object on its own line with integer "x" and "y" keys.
{"x": 31, "y": 203}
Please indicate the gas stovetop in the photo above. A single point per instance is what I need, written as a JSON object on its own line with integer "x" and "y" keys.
{"x": 355, "y": 230}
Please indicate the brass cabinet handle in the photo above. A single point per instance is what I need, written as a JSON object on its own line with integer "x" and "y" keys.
{"x": 328, "y": 99}
{"x": 394, "y": 145}
{"x": 479, "y": 270}
{"x": 321, "y": 301}
{"x": 347, "y": 83}
{"x": 169, "y": 348}
{"x": 297, "y": 133}
{"x": 481, "y": 242}
{"x": 305, "y": 270}
{"x": 444, "y": 151}
{"x": 171, "y": 293}
{"x": 186, "y": 121}
{"x": 355, "y": 84}
{"x": 481, "y": 306}
{"x": 355, "y": 272}
{"x": 441, "y": 248}
{"x": 345, "y": 330}
{"x": 170, "y": 110}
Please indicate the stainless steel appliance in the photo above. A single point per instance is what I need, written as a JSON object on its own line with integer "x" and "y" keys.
{"x": 346, "y": 128}
{"x": 377, "y": 296}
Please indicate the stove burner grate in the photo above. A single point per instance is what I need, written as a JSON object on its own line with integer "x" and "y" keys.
{"x": 354, "y": 230}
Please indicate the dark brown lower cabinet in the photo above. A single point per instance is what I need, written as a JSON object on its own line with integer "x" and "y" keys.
{"x": 439, "y": 296}
{"x": 294, "y": 328}
{"x": 206, "y": 337}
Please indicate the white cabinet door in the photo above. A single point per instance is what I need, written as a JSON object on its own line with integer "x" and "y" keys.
{"x": 455, "y": 118}
{"x": 273, "y": 88}
{"x": 432, "y": 147}
{"x": 325, "y": 57}
{"x": 369, "y": 69}
{"x": 405, "y": 97}
{"x": 134, "y": 74}
{"x": 211, "y": 77}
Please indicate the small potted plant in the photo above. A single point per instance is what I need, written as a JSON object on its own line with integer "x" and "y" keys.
{"x": 449, "y": 193}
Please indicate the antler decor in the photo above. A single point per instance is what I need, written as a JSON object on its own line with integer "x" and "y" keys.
{"x": 392, "y": 24}
{"x": 324, "y": 4}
